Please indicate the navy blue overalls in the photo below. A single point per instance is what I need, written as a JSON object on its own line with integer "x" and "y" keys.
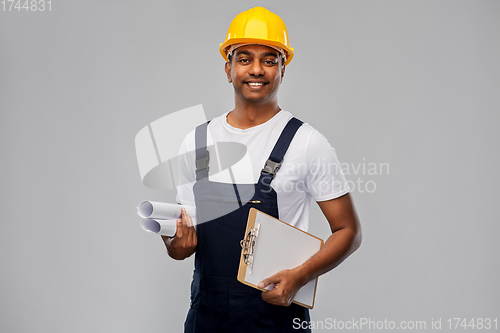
{"x": 220, "y": 303}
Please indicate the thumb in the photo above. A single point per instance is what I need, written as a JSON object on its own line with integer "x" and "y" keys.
{"x": 270, "y": 281}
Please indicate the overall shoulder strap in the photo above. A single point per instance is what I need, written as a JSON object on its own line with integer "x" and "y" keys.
{"x": 273, "y": 163}
{"x": 202, "y": 156}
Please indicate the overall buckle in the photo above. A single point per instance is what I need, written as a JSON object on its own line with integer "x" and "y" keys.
{"x": 271, "y": 167}
{"x": 203, "y": 163}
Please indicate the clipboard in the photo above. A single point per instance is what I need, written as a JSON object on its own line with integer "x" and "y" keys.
{"x": 271, "y": 245}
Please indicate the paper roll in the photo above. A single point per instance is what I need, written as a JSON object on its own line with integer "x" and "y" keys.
{"x": 160, "y": 227}
{"x": 163, "y": 210}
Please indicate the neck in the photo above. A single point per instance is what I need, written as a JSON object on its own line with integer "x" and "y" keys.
{"x": 246, "y": 115}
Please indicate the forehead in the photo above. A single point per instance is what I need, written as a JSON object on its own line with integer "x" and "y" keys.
{"x": 256, "y": 50}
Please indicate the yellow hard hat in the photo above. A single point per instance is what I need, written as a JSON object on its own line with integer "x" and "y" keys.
{"x": 257, "y": 26}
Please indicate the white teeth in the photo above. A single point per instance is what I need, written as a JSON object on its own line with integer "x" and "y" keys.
{"x": 255, "y": 84}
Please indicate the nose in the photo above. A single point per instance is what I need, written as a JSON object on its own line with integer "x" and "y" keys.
{"x": 256, "y": 69}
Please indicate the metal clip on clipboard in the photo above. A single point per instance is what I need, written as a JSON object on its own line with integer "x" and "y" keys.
{"x": 248, "y": 244}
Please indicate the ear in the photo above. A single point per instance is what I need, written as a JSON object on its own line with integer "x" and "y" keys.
{"x": 227, "y": 68}
{"x": 282, "y": 72}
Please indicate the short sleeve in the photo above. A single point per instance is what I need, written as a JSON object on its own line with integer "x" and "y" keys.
{"x": 186, "y": 175}
{"x": 325, "y": 179}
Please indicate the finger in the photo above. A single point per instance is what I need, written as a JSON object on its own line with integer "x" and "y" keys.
{"x": 193, "y": 237}
{"x": 165, "y": 239}
{"x": 269, "y": 287}
{"x": 184, "y": 216}
{"x": 188, "y": 232}
{"x": 275, "y": 297}
{"x": 270, "y": 297}
{"x": 269, "y": 281}
{"x": 179, "y": 231}
{"x": 188, "y": 218}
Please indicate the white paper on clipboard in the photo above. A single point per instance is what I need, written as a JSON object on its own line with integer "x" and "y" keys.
{"x": 278, "y": 246}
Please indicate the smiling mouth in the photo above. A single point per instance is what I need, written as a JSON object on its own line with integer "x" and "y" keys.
{"x": 256, "y": 84}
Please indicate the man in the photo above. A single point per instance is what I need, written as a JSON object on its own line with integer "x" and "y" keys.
{"x": 286, "y": 163}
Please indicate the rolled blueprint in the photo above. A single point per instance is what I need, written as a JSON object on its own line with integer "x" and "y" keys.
{"x": 160, "y": 227}
{"x": 163, "y": 210}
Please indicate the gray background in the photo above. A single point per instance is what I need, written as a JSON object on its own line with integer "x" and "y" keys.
{"x": 411, "y": 83}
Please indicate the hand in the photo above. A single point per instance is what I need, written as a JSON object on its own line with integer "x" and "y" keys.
{"x": 286, "y": 284}
{"x": 183, "y": 244}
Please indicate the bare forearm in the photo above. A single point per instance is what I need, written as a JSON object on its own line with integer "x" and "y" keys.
{"x": 336, "y": 249}
{"x": 344, "y": 240}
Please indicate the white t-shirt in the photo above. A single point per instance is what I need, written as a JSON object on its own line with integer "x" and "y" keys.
{"x": 310, "y": 167}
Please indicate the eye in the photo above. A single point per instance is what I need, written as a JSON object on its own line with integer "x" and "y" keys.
{"x": 270, "y": 62}
{"x": 244, "y": 60}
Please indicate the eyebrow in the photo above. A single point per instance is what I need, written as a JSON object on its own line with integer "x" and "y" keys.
{"x": 271, "y": 54}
